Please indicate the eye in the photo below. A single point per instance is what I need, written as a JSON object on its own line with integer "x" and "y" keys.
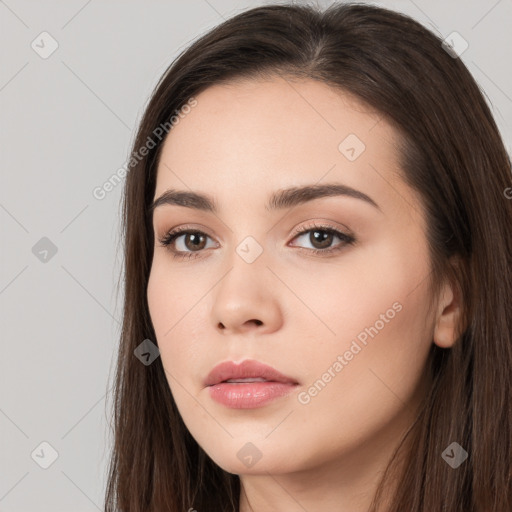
{"x": 321, "y": 238}
{"x": 193, "y": 240}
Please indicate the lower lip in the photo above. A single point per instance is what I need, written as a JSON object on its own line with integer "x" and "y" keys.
{"x": 249, "y": 395}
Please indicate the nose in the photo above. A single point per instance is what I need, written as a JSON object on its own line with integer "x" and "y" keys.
{"x": 247, "y": 299}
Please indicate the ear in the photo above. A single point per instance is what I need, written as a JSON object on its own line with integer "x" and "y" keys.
{"x": 448, "y": 316}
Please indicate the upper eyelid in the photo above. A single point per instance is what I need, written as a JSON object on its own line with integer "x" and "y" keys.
{"x": 316, "y": 224}
{"x": 323, "y": 225}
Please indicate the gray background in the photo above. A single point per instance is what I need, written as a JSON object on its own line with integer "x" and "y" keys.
{"x": 67, "y": 122}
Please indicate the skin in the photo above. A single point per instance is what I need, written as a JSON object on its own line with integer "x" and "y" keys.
{"x": 242, "y": 142}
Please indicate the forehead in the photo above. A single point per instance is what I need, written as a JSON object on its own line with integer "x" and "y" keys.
{"x": 261, "y": 135}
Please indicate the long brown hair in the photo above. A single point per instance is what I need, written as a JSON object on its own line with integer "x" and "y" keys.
{"x": 451, "y": 152}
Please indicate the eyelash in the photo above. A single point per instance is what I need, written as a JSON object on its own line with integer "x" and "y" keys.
{"x": 171, "y": 236}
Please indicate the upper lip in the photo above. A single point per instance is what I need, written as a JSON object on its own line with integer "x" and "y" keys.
{"x": 248, "y": 368}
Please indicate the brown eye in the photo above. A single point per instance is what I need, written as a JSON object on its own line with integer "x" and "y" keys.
{"x": 194, "y": 241}
{"x": 321, "y": 239}
{"x": 185, "y": 243}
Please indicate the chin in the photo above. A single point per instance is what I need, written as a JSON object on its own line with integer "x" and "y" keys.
{"x": 244, "y": 458}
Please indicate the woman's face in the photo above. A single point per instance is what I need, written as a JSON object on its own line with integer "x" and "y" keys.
{"x": 345, "y": 319}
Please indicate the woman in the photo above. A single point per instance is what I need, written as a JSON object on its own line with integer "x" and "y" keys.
{"x": 317, "y": 285}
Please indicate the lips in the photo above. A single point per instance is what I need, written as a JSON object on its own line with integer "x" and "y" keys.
{"x": 247, "y": 371}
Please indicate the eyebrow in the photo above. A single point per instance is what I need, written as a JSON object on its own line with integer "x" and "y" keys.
{"x": 279, "y": 200}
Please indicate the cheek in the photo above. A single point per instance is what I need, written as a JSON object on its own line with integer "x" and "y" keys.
{"x": 382, "y": 337}
{"x": 177, "y": 314}
{"x": 369, "y": 394}
{"x": 383, "y": 346}
{"x": 158, "y": 296}
{"x": 171, "y": 296}
{"x": 377, "y": 308}
{"x": 175, "y": 310}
